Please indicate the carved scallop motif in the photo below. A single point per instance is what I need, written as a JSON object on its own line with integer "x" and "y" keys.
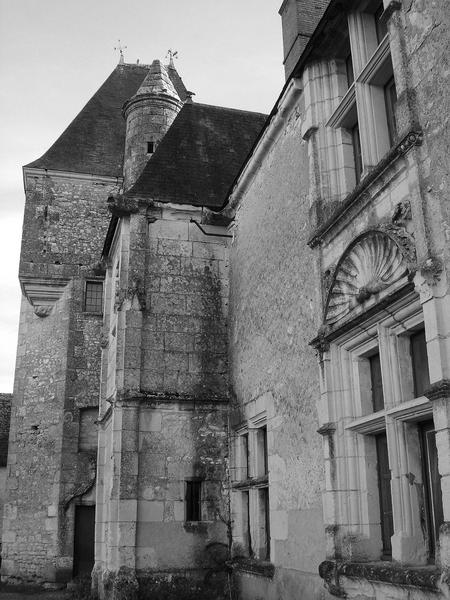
{"x": 371, "y": 265}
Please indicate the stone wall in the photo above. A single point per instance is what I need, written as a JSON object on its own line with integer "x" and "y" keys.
{"x": 5, "y": 417}
{"x": 164, "y": 401}
{"x": 57, "y": 370}
{"x": 272, "y": 319}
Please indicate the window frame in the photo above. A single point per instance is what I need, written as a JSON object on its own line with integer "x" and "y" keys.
{"x": 86, "y": 308}
{"x": 251, "y": 489}
{"x": 364, "y": 105}
{"x": 190, "y": 509}
{"x": 400, "y": 419}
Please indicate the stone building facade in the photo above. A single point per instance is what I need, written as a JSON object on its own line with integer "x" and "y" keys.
{"x": 340, "y": 216}
{"x": 234, "y": 344}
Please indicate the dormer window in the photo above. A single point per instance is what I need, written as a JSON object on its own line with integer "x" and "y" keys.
{"x": 150, "y": 147}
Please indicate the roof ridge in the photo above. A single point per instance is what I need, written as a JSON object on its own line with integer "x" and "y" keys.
{"x": 240, "y": 110}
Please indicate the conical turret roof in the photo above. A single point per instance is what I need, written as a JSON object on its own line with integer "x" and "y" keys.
{"x": 157, "y": 81}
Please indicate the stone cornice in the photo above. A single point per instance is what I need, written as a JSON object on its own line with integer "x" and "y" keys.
{"x": 327, "y": 429}
{"x": 360, "y": 193}
{"x": 103, "y": 179}
{"x": 42, "y": 293}
{"x": 383, "y": 572}
{"x": 438, "y": 390}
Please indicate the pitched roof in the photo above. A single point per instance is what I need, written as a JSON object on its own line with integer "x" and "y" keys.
{"x": 200, "y": 155}
{"x": 94, "y": 142}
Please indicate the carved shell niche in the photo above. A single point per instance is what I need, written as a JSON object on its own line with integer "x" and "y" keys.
{"x": 372, "y": 264}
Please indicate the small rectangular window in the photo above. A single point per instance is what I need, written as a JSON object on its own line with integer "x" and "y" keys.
{"x": 384, "y": 487}
{"x": 376, "y": 382}
{"x": 150, "y": 147}
{"x": 93, "y": 297}
{"x": 193, "y": 500}
{"x": 357, "y": 156}
{"x": 419, "y": 359}
{"x": 390, "y": 99}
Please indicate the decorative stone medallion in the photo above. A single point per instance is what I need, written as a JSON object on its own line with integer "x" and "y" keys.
{"x": 372, "y": 263}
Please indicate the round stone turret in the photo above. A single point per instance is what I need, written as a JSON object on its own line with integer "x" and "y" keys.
{"x": 149, "y": 114}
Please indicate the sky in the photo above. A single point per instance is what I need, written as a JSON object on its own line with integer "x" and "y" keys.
{"x": 54, "y": 54}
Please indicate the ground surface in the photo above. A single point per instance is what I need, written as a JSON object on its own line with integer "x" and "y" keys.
{"x": 13, "y": 592}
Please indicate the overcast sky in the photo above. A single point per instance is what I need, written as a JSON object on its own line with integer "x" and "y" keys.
{"x": 54, "y": 54}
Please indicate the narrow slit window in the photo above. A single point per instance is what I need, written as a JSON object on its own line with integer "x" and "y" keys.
{"x": 193, "y": 500}
{"x": 150, "y": 147}
{"x": 93, "y": 297}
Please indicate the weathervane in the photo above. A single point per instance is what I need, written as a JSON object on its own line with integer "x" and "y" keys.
{"x": 120, "y": 48}
{"x": 171, "y": 54}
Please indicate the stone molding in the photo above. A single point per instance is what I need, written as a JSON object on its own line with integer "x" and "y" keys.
{"x": 327, "y": 429}
{"x": 120, "y": 205}
{"x": 390, "y": 9}
{"x": 359, "y": 195}
{"x": 383, "y": 572}
{"x": 438, "y": 390}
{"x": 373, "y": 262}
{"x": 42, "y": 293}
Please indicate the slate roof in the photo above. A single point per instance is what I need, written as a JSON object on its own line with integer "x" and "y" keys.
{"x": 200, "y": 155}
{"x": 94, "y": 142}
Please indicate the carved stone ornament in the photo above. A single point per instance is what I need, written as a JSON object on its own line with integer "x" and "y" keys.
{"x": 43, "y": 293}
{"x": 371, "y": 263}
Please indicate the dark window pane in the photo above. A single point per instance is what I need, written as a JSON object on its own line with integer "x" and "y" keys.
{"x": 246, "y": 522}
{"x": 349, "y": 70}
{"x": 390, "y": 98}
{"x": 261, "y": 448}
{"x": 193, "y": 500}
{"x": 434, "y": 514}
{"x": 244, "y": 457}
{"x": 93, "y": 299}
{"x": 357, "y": 152}
{"x": 384, "y": 487}
{"x": 419, "y": 359}
{"x": 376, "y": 382}
{"x": 150, "y": 147}
{"x": 264, "y": 549}
{"x": 380, "y": 26}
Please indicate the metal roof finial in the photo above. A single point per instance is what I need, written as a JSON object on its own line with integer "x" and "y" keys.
{"x": 171, "y": 54}
{"x": 120, "y": 48}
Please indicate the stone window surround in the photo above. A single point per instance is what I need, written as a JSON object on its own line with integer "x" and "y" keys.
{"x": 248, "y": 478}
{"x": 364, "y": 101}
{"x": 357, "y": 508}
